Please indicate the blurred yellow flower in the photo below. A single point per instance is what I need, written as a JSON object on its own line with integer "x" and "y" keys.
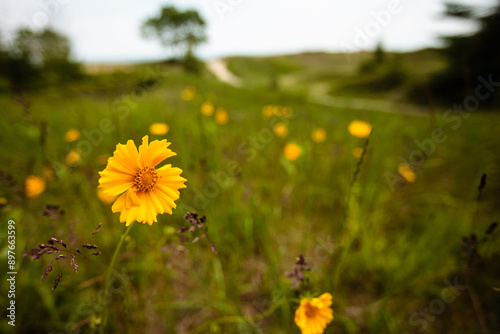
{"x": 159, "y": 129}
{"x": 319, "y": 135}
{"x": 102, "y": 159}
{"x": 407, "y": 173}
{"x": 281, "y": 111}
{"x": 357, "y": 152}
{"x": 292, "y": 151}
{"x": 188, "y": 93}
{"x": 207, "y": 108}
{"x": 72, "y": 158}
{"x": 221, "y": 116}
{"x": 360, "y": 129}
{"x": 267, "y": 111}
{"x": 314, "y": 315}
{"x": 280, "y": 130}
{"x": 71, "y": 135}
{"x": 106, "y": 199}
{"x": 145, "y": 191}
{"x": 34, "y": 186}
{"x": 3, "y": 201}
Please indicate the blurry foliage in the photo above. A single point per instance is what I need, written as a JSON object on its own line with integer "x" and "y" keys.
{"x": 180, "y": 30}
{"x": 468, "y": 57}
{"x": 35, "y": 59}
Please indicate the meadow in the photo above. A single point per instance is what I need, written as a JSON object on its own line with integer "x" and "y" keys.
{"x": 391, "y": 224}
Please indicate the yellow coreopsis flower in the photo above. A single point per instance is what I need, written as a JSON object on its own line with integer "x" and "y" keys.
{"x": 147, "y": 191}
{"x": 313, "y": 315}
{"x": 159, "y": 129}
{"x": 319, "y": 135}
{"x": 71, "y": 135}
{"x": 280, "y": 130}
{"x": 292, "y": 151}
{"x": 221, "y": 116}
{"x": 188, "y": 93}
{"x": 34, "y": 186}
{"x": 360, "y": 129}
{"x": 207, "y": 108}
{"x": 72, "y": 158}
{"x": 407, "y": 173}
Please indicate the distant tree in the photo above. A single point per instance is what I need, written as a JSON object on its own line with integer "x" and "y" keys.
{"x": 180, "y": 30}
{"x": 469, "y": 57}
{"x": 36, "y": 56}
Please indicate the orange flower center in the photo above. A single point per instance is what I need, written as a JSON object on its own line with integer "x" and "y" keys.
{"x": 145, "y": 179}
{"x": 311, "y": 311}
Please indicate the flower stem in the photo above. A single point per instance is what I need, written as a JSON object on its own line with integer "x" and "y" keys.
{"x": 110, "y": 273}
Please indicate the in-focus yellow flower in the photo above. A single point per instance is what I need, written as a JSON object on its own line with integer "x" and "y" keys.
{"x": 221, "y": 116}
{"x": 314, "y": 315}
{"x": 407, "y": 173}
{"x": 188, "y": 93}
{"x": 357, "y": 152}
{"x": 72, "y": 158}
{"x": 159, "y": 129}
{"x": 106, "y": 199}
{"x": 207, "y": 108}
{"x": 360, "y": 129}
{"x": 34, "y": 186}
{"x": 147, "y": 191}
{"x": 280, "y": 130}
{"x": 71, "y": 135}
{"x": 292, "y": 151}
{"x": 319, "y": 135}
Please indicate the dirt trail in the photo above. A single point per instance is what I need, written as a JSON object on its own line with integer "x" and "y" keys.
{"x": 219, "y": 68}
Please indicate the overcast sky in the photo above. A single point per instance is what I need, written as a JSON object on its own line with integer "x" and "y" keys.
{"x": 108, "y": 30}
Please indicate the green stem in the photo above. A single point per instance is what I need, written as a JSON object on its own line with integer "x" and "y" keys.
{"x": 110, "y": 272}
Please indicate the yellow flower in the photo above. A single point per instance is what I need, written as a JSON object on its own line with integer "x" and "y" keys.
{"x": 280, "y": 130}
{"x": 71, "y": 135}
{"x": 159, "y": 129}
{"x": 357, "y": 152}
{"x": 207, "y": 108}
{"x": 319, "y": 135}
{"x": 147, "y": 191}
{"x": 221, "y": 116}
{"x": 34, "y": 186}
{"x": 360, "y": 129}
{"x": 72, "y": 158}
{"x": 292, "y": 151}
{"x": 188, "y": 93}
{"x": 267, "y": 111}
{"x": 405, "y": 171}
{"x": 3, "y": 201}
{"x": 313, "y": 315}
{"x": 106, "y": 199}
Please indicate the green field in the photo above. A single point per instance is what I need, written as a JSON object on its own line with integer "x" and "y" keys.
{"x": 385, "y": 248}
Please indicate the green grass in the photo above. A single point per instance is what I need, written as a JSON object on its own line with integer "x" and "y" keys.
{"x": 383, "y": 255}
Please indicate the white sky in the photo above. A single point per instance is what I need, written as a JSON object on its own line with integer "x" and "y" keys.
{"x": 108, "y": 30}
